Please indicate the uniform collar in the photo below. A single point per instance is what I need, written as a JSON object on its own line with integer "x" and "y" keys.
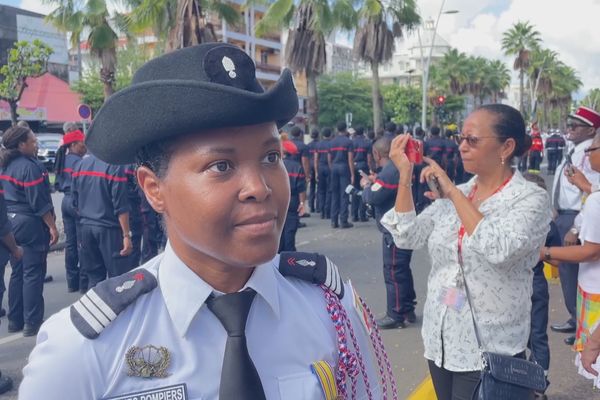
{"x": 184, "y": 292}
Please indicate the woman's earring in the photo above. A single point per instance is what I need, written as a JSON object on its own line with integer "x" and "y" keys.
{"x": 502, "y": 159}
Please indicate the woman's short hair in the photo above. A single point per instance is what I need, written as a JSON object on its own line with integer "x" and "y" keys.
{"x": 509, "y": 124}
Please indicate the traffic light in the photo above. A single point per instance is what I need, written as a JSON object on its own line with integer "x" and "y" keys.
{"x": 441, "y": 100}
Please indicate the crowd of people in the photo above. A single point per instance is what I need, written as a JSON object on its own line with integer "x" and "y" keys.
{"x": 214, "y": 182}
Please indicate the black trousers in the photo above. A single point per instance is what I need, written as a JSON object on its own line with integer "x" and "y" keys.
{"x": 137, "y": 229}
{"x": 26, "y": 286}
{"x": 287, "y": 242}
{"x": 71, "y": 222}
{"x": 324, "y": 192}
{"x": 99, "y": 256}
{"x": 397, "y": 275}
{"x": 3, "y": 262}
{"x": 340, "y": 179}
{"x": 313, "y": 201}
{"x": 358, "y": 208}
{"x": 553, "y": 158}
{"x": 535, "y": 160}
{"x": 451, "y": 385}
{"x": 538, "y": 337}
{"x": 568, "y": 271}
{"x": 151, "y": 235}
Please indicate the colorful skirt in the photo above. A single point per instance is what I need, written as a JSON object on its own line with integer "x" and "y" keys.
{"x": 588, "y": 316}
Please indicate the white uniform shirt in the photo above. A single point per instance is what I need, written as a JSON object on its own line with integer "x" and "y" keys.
{"x": 589, "y": 272}
{"x": 498, "y": 262}
{"x": 570, "y": 197}
{"x": 288, "y": 329}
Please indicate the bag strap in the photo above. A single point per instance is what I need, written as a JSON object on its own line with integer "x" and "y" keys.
{"x": 471, "y": 305}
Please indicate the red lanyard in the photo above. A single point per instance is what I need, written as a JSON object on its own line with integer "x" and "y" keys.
{"x": 461, "y": 230}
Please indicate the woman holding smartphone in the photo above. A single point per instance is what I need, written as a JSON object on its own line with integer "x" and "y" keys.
{"x": 495, "y": 225}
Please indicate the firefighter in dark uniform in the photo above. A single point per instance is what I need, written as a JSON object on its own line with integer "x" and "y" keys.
{"x": 151, "y": 230}
{"x": 362, "y": 162}
{"x": 380, "y": 192}
{"x": 8, "y": 248}
{"x": 341, "y": 164}
{"x": 435, "y": 146}
{"x": 27, "y": 195}
{"x": 323, "y": 173}
{"x": 135, "y": 216}
{"x": 297, "y": 196}
{"x": 313, "y": 200}
{"x": 68, "y": 157}
{"x": 452, "y": 154}
{"x": 100, "y": 197}
{"x": 555, "y": 145}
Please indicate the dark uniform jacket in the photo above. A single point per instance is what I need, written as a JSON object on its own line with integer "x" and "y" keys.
{"x": 322, "y": 151}
{"x": 100, "y": 192}
{"x": 381, "y": 195}
{"x": 26, "y": 187}
{"x": 451, "y": 149}
{"x": 64, "y": 180}
{"x": 339, "y": 147}
{"x": 303, "y": 150}
{"x": 5, "y": 228}
{"x": 362, "y": 149}
{"x": 435, "y": 148}
{"x": 313, "y": 148}
{"x": 297, "y": 182}
{"x": 555, "y": 143}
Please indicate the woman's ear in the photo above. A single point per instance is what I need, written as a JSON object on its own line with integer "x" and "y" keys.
{"x": 151, "y": 185}
{"x": 508, "y": 149}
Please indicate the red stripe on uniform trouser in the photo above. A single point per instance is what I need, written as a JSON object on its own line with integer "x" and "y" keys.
{"x": 100, "y": 175}
{"x": 360, "y": 150}
{"x": 294, "y": 175}
{"x": 338, "y": 149}
{"x": 386, "y": 185}
{"x": 21, "y": 183}
{"x": 435, "y": 149}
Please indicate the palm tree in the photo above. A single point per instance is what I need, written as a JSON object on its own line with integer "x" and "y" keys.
{"x": 309, "y": 21}
{"x": 380, "y": 24}
{"x": 182, "y": 23}
{"x": 540, "y": 74}
{"x": 592, "y": 100}
{"x": 520, "y": 40}
{"x": 565, "y": 83}
{"x": 499, "y": 79}
{"x": 453, "y": 68}
{"x": 92, "y": 16}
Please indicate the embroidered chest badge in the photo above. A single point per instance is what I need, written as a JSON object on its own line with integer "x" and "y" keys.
{"x": 148, "y": 361}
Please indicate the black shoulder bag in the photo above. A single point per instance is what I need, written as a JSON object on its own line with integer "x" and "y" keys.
{"x": 504, "y": 377}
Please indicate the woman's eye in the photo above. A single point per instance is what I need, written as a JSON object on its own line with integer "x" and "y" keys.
{"x": 220, "y": 166}
{"x": 272, "y": 157}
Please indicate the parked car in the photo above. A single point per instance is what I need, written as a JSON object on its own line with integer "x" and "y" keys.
{"x": 48, "y": 144}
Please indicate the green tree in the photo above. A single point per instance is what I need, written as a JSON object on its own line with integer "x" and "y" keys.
{"x": 452, "y": 72}
{"x": 520, "y": 40}
{"x": 91, "y": 88}
{"x": 181, "y": 23}
{"x": 25, "y": 60}
{"x": 592, "y": 100}
{"x": 381, "y": 22}
{"x": 343, "y": 93}
{"x": 402, "y": 103}
{"x": 498, "y": 80}
{"x": 309, "y": 22}
{"x": 93, "y": 17}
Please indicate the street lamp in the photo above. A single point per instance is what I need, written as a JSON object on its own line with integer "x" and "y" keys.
{"x": 428, "y": 63}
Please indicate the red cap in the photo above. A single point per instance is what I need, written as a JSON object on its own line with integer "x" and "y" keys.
{"x": 74, "y": 136}
{"x": 587, "y": 116}
{"x": 289, "y": 147}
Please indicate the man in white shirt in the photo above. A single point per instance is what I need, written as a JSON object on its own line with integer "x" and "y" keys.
{"x": 568, "y": 199}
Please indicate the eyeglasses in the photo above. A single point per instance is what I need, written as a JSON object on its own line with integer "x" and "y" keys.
{"x": 472, "y": 141}
{"x": 575, "y": 126}
{"x": 590, "y": 149}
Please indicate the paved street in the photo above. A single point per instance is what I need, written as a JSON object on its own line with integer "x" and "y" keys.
{"x": 357, "y": 253}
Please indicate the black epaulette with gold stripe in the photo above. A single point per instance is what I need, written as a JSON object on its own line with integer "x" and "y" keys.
{"x": 314, "y": 268}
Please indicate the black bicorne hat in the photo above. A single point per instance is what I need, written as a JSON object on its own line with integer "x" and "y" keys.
{"x": 203, "y": 87}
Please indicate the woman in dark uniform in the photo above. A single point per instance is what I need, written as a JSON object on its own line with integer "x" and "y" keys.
{"x": 68, "y": 156}
{"x": 27, "y": 194}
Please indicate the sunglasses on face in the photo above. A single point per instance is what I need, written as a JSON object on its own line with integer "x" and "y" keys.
{"x": 591, "y": 149}
{"x": 575, "y": 126}
{"x": 472, "y": 141}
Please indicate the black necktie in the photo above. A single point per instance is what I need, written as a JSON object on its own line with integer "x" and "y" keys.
{"x": 239, "y": 379}
{"x": 556, "y": 196}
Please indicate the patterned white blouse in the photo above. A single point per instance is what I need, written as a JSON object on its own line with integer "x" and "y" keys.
{"x": 498, "y": 260}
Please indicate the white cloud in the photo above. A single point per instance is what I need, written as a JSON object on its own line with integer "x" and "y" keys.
{"x": 36, "y": 6}
{"x": 569, "y": 28}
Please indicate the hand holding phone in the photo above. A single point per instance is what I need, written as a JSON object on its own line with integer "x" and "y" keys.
{"x": 434, "y": 186}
